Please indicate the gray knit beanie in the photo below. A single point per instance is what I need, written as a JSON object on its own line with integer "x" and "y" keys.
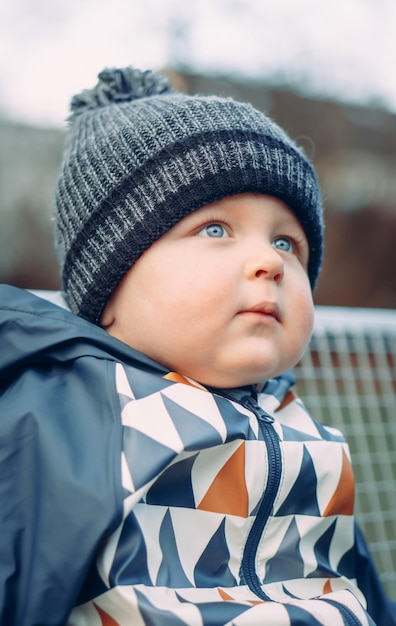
{"x": 140, "y": 156}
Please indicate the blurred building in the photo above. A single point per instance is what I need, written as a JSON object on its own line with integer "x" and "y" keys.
{"x": 353, "y": 149}
{"x": 29, "y": 160}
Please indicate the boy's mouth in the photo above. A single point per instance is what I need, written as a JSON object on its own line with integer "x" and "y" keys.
{"x": 266, "y": 309}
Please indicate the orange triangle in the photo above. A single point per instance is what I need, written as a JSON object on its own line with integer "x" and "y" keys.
{"x": 225, "y": 596}
{"x": 327, "y": 587}
{"x": 105, "y": 617}
{"x": 342, "y": 501}
{"x": 255, "y": 602}
{"x": 289, "y": 397}
{"x": 227, "y": 493}
{"x": 179, "y": 378}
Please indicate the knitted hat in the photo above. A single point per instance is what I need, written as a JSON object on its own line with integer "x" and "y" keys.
{"x": 140, "y": 156}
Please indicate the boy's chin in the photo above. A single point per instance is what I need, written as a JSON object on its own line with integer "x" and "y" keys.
{"x": 232, "y": 381}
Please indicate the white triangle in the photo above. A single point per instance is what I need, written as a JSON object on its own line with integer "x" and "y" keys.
{"x": 150, "y": 417}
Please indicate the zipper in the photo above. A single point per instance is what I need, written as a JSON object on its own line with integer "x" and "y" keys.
{"x": 248, "y": 567}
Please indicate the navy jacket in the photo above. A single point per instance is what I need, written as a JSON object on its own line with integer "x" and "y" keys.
{"x": 116, "y": 502}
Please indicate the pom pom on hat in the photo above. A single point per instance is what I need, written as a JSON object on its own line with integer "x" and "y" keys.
{"x": 119, "y": 85}
{"x": 140, "y": 156}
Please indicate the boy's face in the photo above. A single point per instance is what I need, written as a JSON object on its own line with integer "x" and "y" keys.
{"x": 223, "y": 297}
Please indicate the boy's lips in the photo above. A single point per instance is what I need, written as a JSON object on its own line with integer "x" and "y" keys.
{"x": 266, "y": 309}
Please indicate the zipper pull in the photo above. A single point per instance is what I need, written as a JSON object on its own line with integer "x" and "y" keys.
{"x": 250, "y": 403}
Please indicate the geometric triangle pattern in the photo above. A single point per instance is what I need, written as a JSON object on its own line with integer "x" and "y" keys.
{"x": 130, "y": 566}
{"x": 277, "y": 566}
{"x": 302, "y": 497}
{"x": 144, "y": 455}
{"x": 220, "y": 613}
{"x": 174, "y": 485}
{"x": 322, "y": 554}
{"x": 228, "y": 492}
{"x": 190, "y": 426}
{"x": 213, "y": 564}
{"x": 171, "y": 572}
{"x": 150, "y": 614}
{"x": 237, "y": 421}
{"x": 341, "y": 502}
{"x": 106, "y": 620}
{"x": 225, "y": 518}
{"x": 301, "y": 616}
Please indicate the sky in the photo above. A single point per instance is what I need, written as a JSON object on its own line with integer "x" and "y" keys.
{"x": 51, "y": 49}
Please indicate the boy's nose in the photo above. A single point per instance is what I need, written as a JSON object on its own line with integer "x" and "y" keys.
{"x": 265, "y": 263}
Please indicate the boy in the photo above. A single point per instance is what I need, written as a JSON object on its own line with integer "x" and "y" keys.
{"x": 156, "y": 467}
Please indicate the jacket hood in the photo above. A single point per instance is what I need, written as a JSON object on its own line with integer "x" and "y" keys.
{"x": 35, "y": 330}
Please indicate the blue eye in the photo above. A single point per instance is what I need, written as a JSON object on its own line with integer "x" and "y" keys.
{"x": 213, "y": 230}
{"x": 283, "y": 243}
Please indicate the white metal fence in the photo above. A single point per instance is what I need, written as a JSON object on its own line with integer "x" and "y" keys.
{"x": 347, "y": 379}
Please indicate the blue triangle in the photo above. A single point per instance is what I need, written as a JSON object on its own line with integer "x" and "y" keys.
{"x": 302, "y": 498}
{"x": 195, "y": 432}
{"x": 170, "y": 573}
{"x": 143, "y": 383}
{"x": 237, "y": 423}
{"x": 174, "y": 486}
{"x": 291, "y": 434}
{"x": 326, "y": 434}
{"x": 130, "y": 560}
{"x": 145, "y": 456}
{"x": 346, "y": 566}
{"x": 287, "y": 562}
{"x": 301, "y": 617}
{"x": 212, "y": 568}
{"x": 321, "y": 551}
